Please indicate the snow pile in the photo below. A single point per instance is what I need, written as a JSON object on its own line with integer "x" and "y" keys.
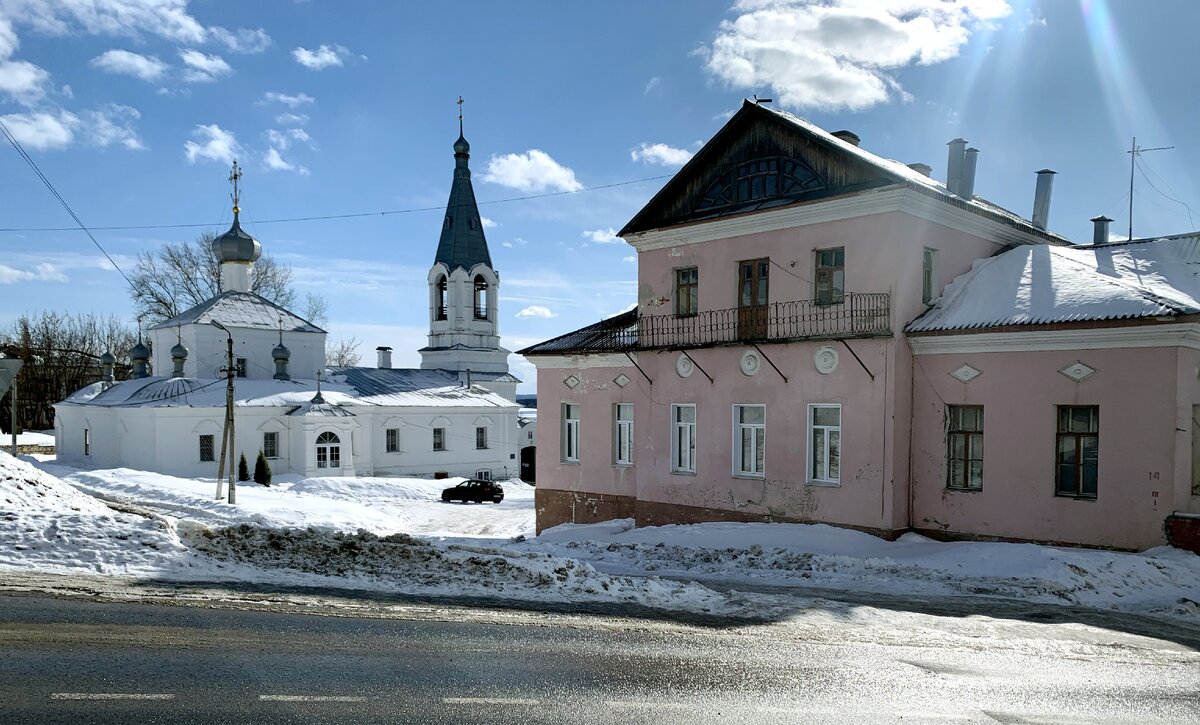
{"x": 1162, "y": 581}
{"x": 27, "y": 488}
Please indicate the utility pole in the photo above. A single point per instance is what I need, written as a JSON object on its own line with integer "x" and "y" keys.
{"x": 8, "y": 375}
{"x": 1133, "y": 152}
{"x": 227, "y": 431}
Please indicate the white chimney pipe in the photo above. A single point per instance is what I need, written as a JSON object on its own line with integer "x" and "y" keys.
{"x": 1041, "y": 198}
{"x": 384, "y": 357}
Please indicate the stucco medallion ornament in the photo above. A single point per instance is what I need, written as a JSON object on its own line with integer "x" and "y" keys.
{"x": 1078, "y": 371}
{"x": 965, "y": 373}
{"x": 825, "y": 359}
{"x": 750, "y": 363}
{"x": 621, "y": 380}
{"x": 684, "y": 366}
{"x": 571, "y": 381}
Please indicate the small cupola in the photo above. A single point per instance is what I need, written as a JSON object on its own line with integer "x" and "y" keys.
{"x": 139, "y": 356}
{"x": 236, "y": 250}
{"x": 107, "y": 361}
{"x": 179, "y": 355}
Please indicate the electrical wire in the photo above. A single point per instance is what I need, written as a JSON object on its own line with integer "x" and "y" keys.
{"x": 320, "y": 217}
{"x": 33, "y": 165}
{"x": 1191, "y": 221}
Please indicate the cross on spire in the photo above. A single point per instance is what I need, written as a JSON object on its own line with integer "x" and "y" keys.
{"x": 460, "y": 125}
{"x": 234, "y": 175}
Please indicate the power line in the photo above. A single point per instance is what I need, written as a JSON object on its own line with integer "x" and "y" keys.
{"x": 17, "y": 145}
{"x": 1166, "y": 195}
{"x": 326, "y": 217}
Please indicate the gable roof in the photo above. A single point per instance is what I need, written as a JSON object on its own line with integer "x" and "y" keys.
{"x": 1041, "y": 284}
{"x": 862, "y": 170}
{"x": 240, "y": 309}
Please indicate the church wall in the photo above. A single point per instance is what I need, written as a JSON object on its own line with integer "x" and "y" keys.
{"x": 461, "y": 457}
{"x": 207, "y": 351}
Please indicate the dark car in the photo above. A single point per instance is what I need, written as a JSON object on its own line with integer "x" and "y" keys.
{"x": 473, "y": 489}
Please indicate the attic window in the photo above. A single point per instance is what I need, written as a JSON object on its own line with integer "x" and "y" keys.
{"x": 757, "y": 180}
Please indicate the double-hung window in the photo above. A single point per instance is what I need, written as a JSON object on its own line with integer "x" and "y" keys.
{"x": 207, "y": 449}
{"x": 831, "y": 276}
{"x": 1077, "y": 451}
{"x": 241, "y": 367}
{"x": 687, "y": 288}
{"x": 439, "y": 439}
{"x": 271, "y": 444}
{"x": 393, "y": 440}
{"x": 481, "y": 437}
{"x": 749, "y": 439}
{"x": 683, "y": 438}
{"x": 824, "y": 443}
{"x": 623, "y": 434}
{"x": 964, "y": 447}
{"x": 570, "y": 432}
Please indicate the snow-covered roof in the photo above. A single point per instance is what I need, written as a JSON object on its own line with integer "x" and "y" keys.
{"x": 344, "y": 387}
{"x": 1043, "y": 284}
{"x": 241, "y": 309}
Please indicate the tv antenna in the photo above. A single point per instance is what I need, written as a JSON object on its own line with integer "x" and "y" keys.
{"x": 1135, "y": 151}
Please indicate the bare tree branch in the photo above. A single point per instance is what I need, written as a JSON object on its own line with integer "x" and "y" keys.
{"x": 342, "y": 353}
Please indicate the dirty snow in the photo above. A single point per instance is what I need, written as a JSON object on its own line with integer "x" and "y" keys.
{"x": 395, "y": 535}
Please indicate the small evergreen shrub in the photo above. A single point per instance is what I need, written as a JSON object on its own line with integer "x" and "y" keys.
{"x": 262, "y": 470}
{"x": 243, "y": 469}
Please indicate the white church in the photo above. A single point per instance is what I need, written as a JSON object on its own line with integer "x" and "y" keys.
{"x": 456, "y": 415}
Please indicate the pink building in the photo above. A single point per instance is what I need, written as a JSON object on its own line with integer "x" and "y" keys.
{"x": 822, "y": 333}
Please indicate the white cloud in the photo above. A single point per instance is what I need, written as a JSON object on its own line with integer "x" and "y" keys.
{"x": 661, "y": 154}
{"x": 533, "y": 170}
{"x": 300, "y": 99}
{"x": 274, "y": 162}
{"x": 42, "y": 131}
{"x": 42, "y": 272}
{"x": 835, "y": 54}
{"x": 536, "y": 311}
{"x": 146, "y": 67}
{"x": 167, "y": 19}
{"x": 654, "y": 84}
{"x": 506, "y": 244}
{"x": 9, "y": 42}
{"x": 242, "y": 40}
{"x": 282, "y": 140}
{"x": 631, "y": 259}
{"x": 603, "y": 236}
{"x": 292, "y": 119}
{"x": 203, "y": 68}
{"x": 23, "y": 81}
{"x": 323, "y": 57}
{"x": 488, "y": 223}
{"x": 215, "y": 144}
{"x": 112, "y": 124}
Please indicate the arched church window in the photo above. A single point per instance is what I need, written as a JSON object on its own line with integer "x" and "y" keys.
{"x": 439, "y": 312}
{"x": 329, "y": 451}
{"x": 481, "y": 290}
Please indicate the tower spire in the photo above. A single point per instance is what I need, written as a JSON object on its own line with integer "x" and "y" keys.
{"x": 234, "y": 176}
{"x": 460, "y": 125}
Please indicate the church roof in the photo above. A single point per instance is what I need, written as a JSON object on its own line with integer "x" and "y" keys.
{"x": 240, "y": 309}
{"x": 462, "y": 243}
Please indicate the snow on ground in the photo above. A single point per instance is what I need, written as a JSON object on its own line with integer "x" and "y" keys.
{"x": 30, "y": 438}
{"x": 395, "y": 534}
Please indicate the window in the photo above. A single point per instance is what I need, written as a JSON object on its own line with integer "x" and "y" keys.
{"x": 481, "y": 436}
{"x": 329, "y": 451}
{"x": 964, "y": 447}
{"x": 87, "y": 442}
{"x": 928, "y": 276}
{"x": 1196, "y": 450}
{"x": 439, "y": 312}
{"x": 623, "y": 434}
{"x": 757, "y": 180}
{"x": 687, "y": 287}
{"x": 393, "y": 440}
{"x": 749, "y": 439}
{"x": 570, "y": 433}
{"x": 484, "y": 474}
{"x": 1077, "y": 450}
{"x": 683, "y": 438}
{"x": 481, "y": 292}
{"x": 241, "y": 367}
{"x": 439, "y": 439}
{"x": 824, "y": 443}
{"x": 831, "y": 276}
{"x": 206, "y": 449}
{"x": 271, "y": 445}
{"x": 753, "y": 320}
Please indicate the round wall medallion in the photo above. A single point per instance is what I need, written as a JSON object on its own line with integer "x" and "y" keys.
{"x": 825, "y": 359}
{"x": 684, "y": 366}
{"x": 750, "y": 363}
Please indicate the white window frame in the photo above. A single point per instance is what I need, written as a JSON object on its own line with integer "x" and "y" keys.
{"x": 271, "y": 454}
{"x": 484, "y": 474}
{"x": 622, "y": 435}
{"x": 390, "y": 436}
{"x": 87, "y": 442}
{"x": 481, "y": 430}
{"x": 929, "y": 291}
{"x": 439, "y": 445}
{"x": 808, "y": 469}
{"x": 680, "y": 463}
{"x": 570, "y": 433}
{"x": 212, "y": 447}
{"x": 758, "y": 433}
{"x": 242, "y": 367}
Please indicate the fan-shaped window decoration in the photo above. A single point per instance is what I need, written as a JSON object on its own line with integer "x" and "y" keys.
{"x": 329, "y": 451}
{"x": 758, "y": 180}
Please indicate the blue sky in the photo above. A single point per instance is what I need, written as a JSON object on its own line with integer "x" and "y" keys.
{"x": 133, "y": 108}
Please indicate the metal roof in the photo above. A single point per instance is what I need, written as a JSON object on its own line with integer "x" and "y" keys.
{"x": 615, "y": 334}
{"x": 462, "y": 243}
{"x": 241, "y": 309}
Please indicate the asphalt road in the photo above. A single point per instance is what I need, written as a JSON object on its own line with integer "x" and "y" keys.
{"x": 81, "y": 661}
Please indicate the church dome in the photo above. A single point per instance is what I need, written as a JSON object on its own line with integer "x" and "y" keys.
{"x": 236, "y": 245}
{"x": 461, "y": 146}
{"x": 281, "y": 353}
{"x": 179, "y": 351}
{"x": 108, "y": 359}
{"x": 139, "y": 352}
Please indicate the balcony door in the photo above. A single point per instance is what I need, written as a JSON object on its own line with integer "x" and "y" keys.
{"x": 752, "y": 299}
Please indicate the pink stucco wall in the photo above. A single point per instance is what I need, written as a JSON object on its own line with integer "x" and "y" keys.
{"x": 1139, "y": 472}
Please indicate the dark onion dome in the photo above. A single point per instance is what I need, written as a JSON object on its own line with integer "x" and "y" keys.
{"x": 236, "y": 245}
{"x": 461, "y": 146}
{"x": 139, "y": 352}
{"x": 108, "y": 359}
{"x": 280, "y": 352}
{"x": 179, "y": 351}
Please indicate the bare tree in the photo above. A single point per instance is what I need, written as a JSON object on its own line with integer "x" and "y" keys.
{"x": 316, "y": 309}
{"x": 343, "y": 353}
{"x": 61, "y": 355}
{"x": 181, "y": 275}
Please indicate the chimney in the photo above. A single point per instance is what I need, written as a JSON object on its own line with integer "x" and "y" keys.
{"x": 970, "y": 157}
{"x": 848, "y": 136}
{"x": 1100, "y": 229}
{"x": 384, "y": 355}
{"x": 1041, "y": 198}
{"x": 954, "y": 165}
{"x": 923, "y": 169}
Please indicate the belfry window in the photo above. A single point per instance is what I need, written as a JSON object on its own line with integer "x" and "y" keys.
{"x": 439, "y": 312}
{"x": 481, "y": 292}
